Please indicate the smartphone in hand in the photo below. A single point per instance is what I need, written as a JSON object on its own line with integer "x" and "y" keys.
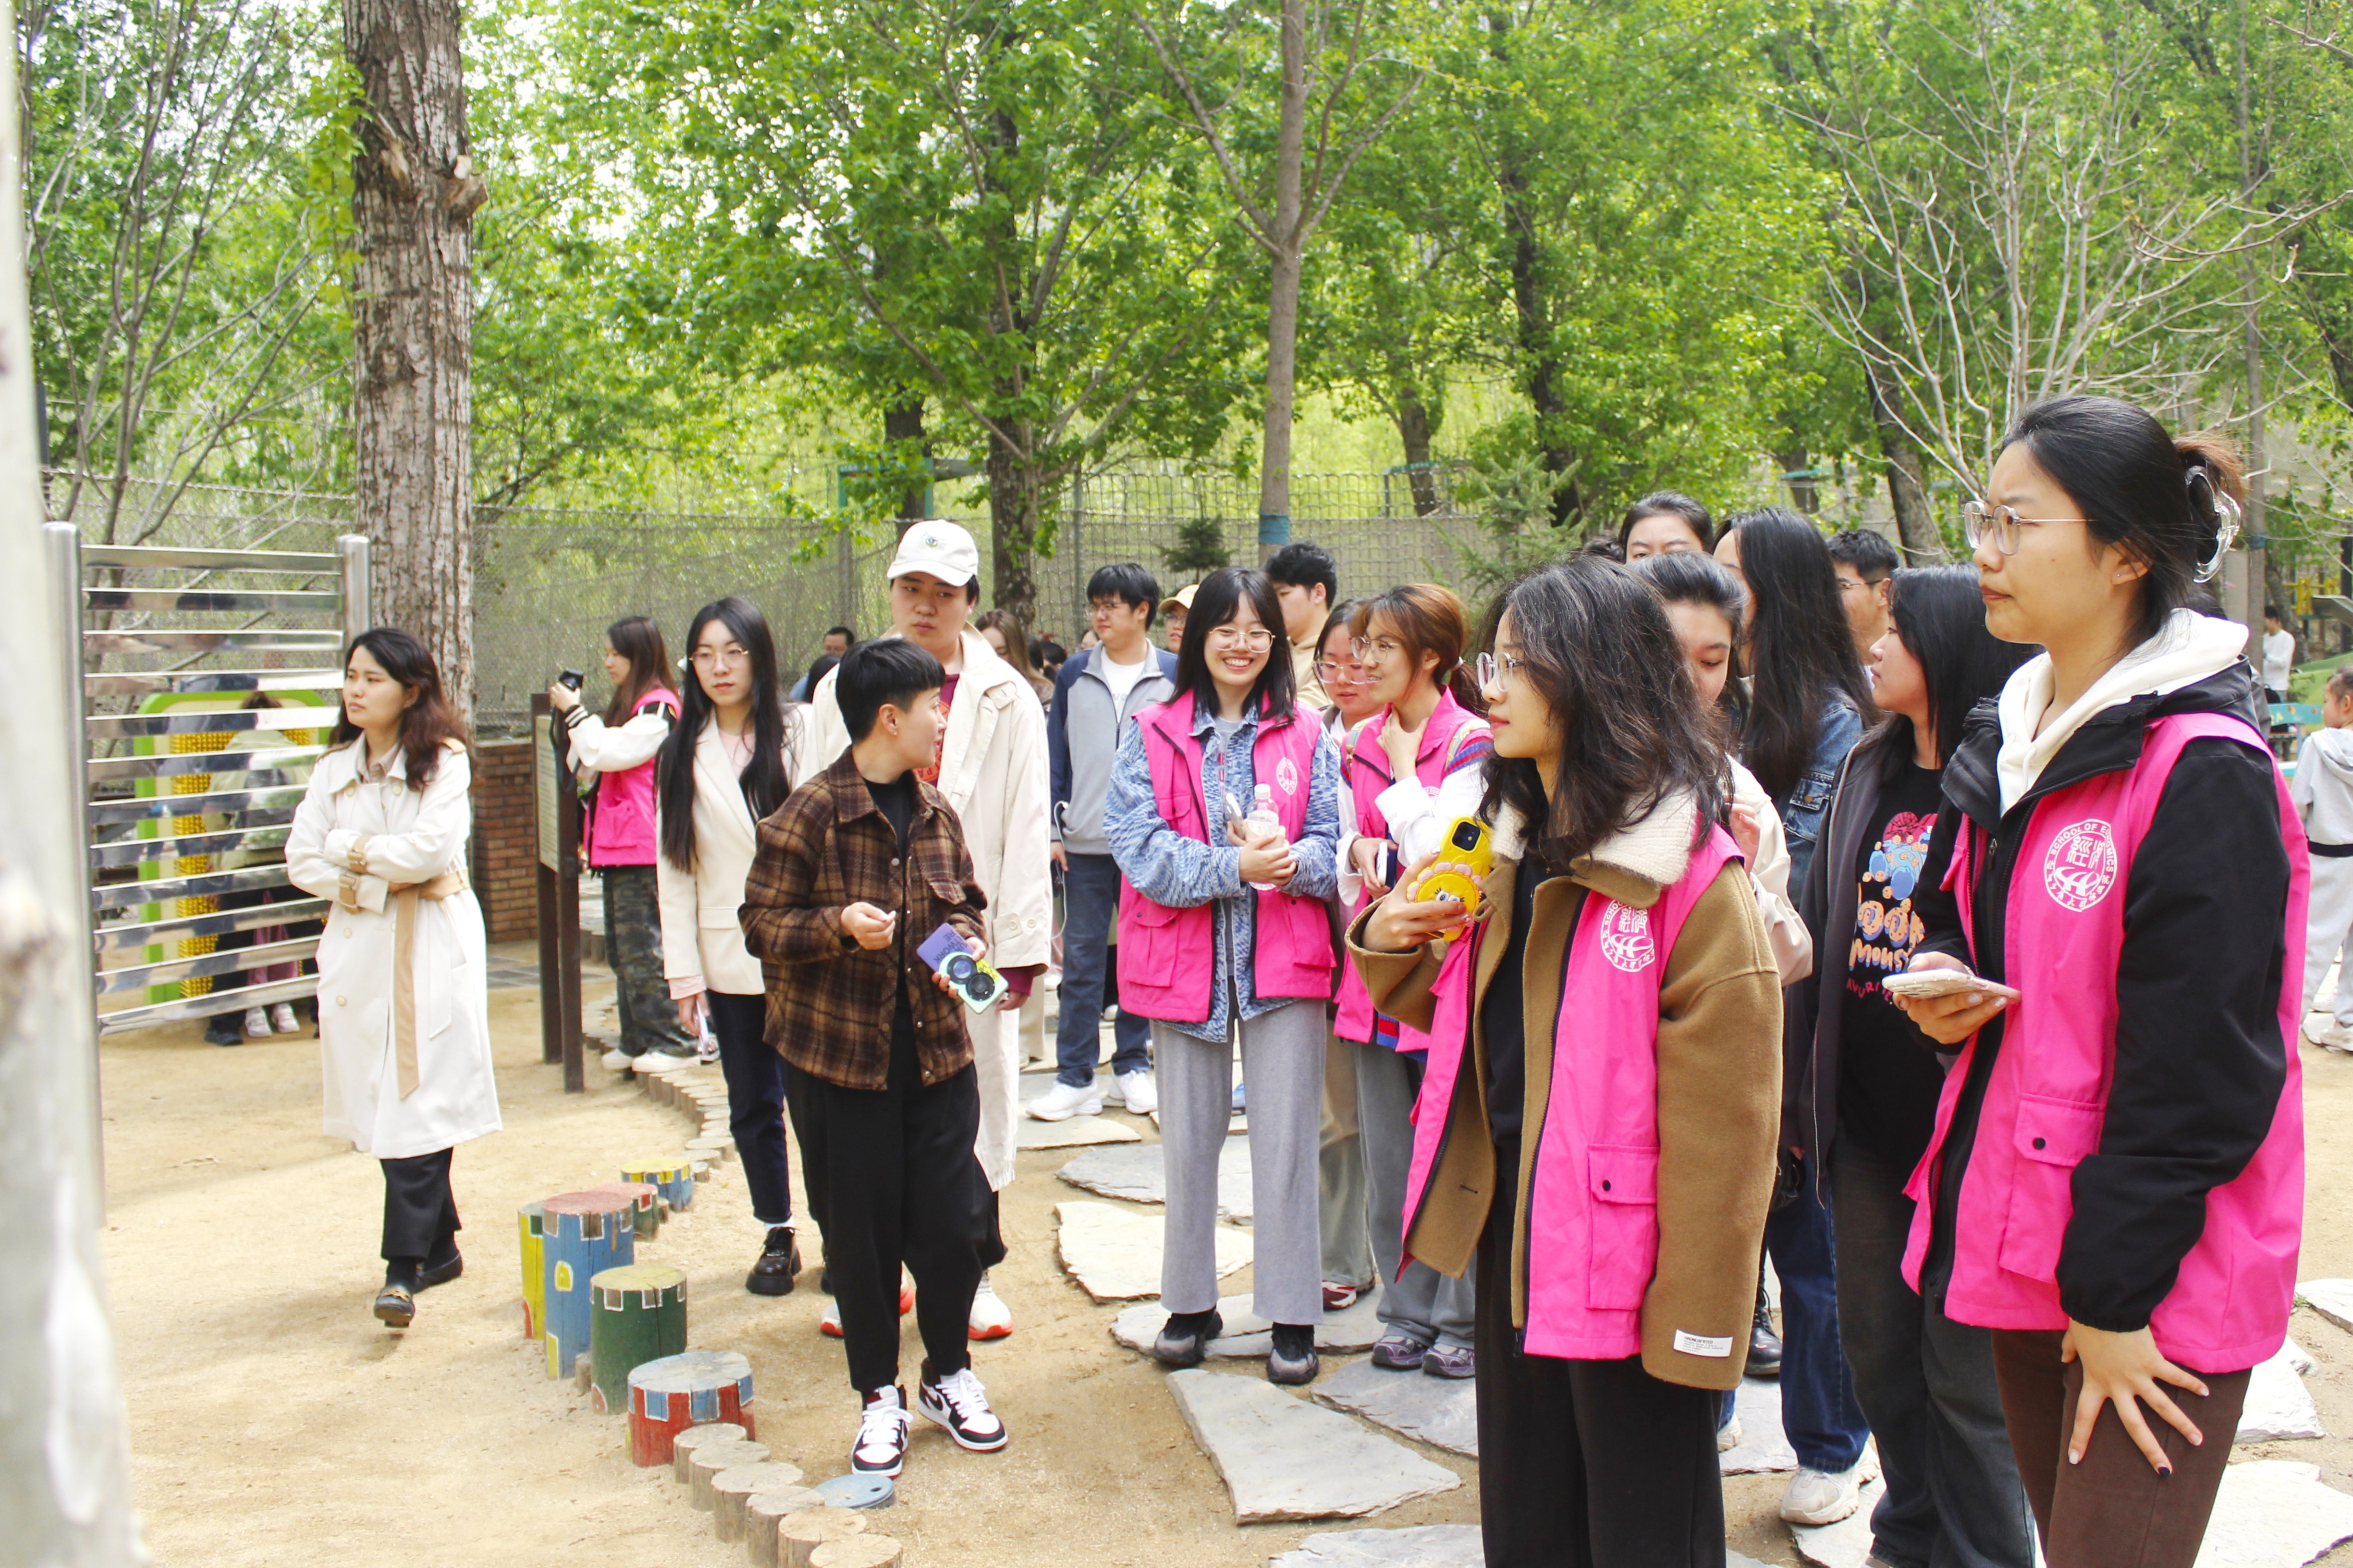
{"x": 974, "y": 979}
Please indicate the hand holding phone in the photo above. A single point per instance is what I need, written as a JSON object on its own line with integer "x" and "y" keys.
{"x": 962, "y": 971}
{"x": 1958, "y": 1011}
{"x": 1466, "y": 857}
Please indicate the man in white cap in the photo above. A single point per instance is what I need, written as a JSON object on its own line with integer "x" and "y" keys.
{"x": 992, "y": 769}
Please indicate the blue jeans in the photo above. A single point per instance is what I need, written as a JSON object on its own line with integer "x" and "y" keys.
{"x": 1818, "y": 1413}
{"x": 1090, "y": 976}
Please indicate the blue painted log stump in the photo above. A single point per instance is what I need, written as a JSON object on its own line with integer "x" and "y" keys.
{"x": 586, "y": 1233}
{"x": 673, "y": 1178}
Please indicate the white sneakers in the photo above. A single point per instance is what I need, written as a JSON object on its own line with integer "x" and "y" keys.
{"x": 1815, "y": 1497}
{"x": 617, "y": 1060}
{"x": 881, "y": 1445}
{"x": 960, "y": 1405}
{"x": 256, "y": 1023}
{"x": 991, "y": 1318}
{"x": 1728, "y": 1436}
{"x": 1064, "y": 1101}
{"x": 1135, "y": 1091}
{"x": 2328, "y": 1034}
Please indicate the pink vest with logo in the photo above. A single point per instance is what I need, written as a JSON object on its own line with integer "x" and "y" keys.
{"x": 2046, "y": 1100}
{"x": 621, "y": 825}
{"x": 1367, "y": 776}
{"x": 1168, "y": 957}
{"x": 1593, "y": 1205}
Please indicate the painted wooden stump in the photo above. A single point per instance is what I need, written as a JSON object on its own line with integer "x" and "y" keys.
{"x": 800, "y": 1534}
{"x": 532, "y": 1219}
{"x": 637, "y": 1314}
{"x": 586, "y": 1233}
{"x": 713, "y": 1458}
{"x": 673, "y": 1178}
{"x": 856, "y": 1552}
{"x": 683, "y": 1444}
{"x": 645, "y": 1205}
{"x": 762, "y": 1511}
{"x": 669, "y": 1395}
{"x": 733, "y": 1489}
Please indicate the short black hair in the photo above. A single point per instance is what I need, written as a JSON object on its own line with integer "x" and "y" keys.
{"x": 1303, "y": 565}
{"x": 1867, "y": 551}
{"x": 1130, "y": 583}
{"x": 892, "y": 670}
{"x": 844, "y": 633}
{"x": 2270, "y": 612}
{"x": 1668, "y": 503}
{"x": 1045, "y": 650}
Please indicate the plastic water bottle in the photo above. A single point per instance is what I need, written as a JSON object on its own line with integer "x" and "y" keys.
{"x": 1262, "y": 821}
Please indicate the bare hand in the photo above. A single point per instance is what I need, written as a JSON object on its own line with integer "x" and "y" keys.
{"x": 1061, "y": 860}
{"x": 870, "y": 926}
{"x": 1400, "y": 924}
{"x": 1369, "y": 855}
{"x": 1403, "y": 746}
{"x": 1746, "y": 833}
{"x": 979, "y": 950}
{"x": 692, "y": 1012}
{"x": 562, "y": 698}
{"x": 1951, "y": 1020}
{"x": 1269, "y": 860}
{"x": 2123, "y": 1370}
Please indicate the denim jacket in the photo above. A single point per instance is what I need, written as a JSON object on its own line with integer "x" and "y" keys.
{"x": 1807, "y": 802}
{"x": 1171, "y": 869}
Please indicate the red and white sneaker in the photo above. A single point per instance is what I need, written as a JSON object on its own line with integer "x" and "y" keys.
{"x": 829, "y": 1322}
{"x": 881, "y": 1445}
{"x": 960, "y": 1405}
{"x": 1339, "y": 1297}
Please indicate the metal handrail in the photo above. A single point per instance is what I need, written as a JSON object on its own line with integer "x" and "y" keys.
{"x": 103, "y": 769}
{"x": 202, "y": 885}
{"x": 212, "y": 722}
{"x": 154, "y": 851}
{"x": 164, "y": 807}
{"x": 260, "y": 639}
{"x": 219, "y": 560}
{"x": 213, "y": 601}
{"x": 209, "y": 1006}
{"x": 171, "y": 683}
{"x": 122, "y": 938}
{"x": 139, "y": 977}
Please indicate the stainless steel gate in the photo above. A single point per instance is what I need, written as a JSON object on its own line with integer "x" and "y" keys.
{"x": 207, "y": 682}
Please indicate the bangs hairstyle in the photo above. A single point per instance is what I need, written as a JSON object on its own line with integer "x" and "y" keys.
{"x": 1222, "y": 592}
{"x": 1668, "y": 503}
{"x": 427, "y": 725}
{"x": 1800, "y": 652}
{"x": 1596, "y": 644}
{"x": 638, "y": 640}
{"x": 2163, "y": 499}
{"x": 1687, "y": 577}
{"x": 887, "y": 672}
{"x": 1129, "y": 582}
{"x": 1939, "y": 615}
{"x": 1427, "y": 619}
{"x": 766, "y": 780}
{"x": 1017, "y": 639}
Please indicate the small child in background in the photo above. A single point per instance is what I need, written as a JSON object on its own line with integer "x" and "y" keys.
{"x": 2323, "y": 790}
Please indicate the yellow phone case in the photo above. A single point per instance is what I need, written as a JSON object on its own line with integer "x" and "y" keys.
{"x": 1468, "y": 843}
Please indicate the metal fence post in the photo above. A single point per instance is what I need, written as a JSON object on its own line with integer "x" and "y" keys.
{"x": 358, "y": 614}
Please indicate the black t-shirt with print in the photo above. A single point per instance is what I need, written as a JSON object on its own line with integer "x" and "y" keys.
{"x": 1889, "y": 1076}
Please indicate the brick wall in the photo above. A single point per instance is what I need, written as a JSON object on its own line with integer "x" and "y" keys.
{"x": 505, "y": 852}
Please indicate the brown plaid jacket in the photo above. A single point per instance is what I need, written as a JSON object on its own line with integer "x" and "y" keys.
{"x": 829, "y": 1000}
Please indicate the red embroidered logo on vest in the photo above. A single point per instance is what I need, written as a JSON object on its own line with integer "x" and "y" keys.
{"x": 1286, "y": 776}
{"x": 2081, "y": 865}
{"x": 1626, "y": 938}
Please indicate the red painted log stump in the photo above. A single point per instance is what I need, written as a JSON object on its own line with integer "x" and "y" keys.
{"x": 669, "y": 1395}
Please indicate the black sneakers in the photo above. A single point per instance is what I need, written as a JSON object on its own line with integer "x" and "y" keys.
{"x": 780, "y": 1262}
{"x": 1185, "y": 1339}
{"x": 959, "y": 1404}
{"x": 1292, "y": 1360}
{"x": 1764, "y": 1344}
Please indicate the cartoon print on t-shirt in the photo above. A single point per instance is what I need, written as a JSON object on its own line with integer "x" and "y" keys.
{"x": 1886, "y": 928}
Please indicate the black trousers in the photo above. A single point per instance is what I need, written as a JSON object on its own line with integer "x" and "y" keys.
{"x": 756, "y": 1102}
{"x": 1584, "y": 1464}
{"x": 420, "y": 1214}
{"x": 893, "y": 1180}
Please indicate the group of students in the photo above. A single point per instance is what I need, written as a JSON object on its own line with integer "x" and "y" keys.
{"x": 1693, "y": 810}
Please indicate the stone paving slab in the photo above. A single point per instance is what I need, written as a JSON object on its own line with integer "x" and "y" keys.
{"x": 2332, "y": 1299}
{"x": 1248, "y": 1335}
{"x": 1114, "y": 1254}
{"x": 1076, "y": 1133}
{"x": 1847, "y": 1543}
{"x": 1283, "y": 1458}
{"x": 2278, "y": 1405}
{"x": 1137, "y": 1173}
{"x": 2274, "y": 1513}
{"x": 1763, "y": 1447}
{"x": 1415, "y": 1546}
{"x": 1442, "y": 1412}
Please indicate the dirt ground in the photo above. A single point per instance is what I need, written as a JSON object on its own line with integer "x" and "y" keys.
{"x": 274, "y": 1422}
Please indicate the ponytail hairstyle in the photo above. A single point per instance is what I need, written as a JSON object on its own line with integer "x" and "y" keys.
{"x": 2169, "y": 503}
{"x": 1800, "y": 655}
{"x": 426, "y": 726}
{"x": 1427, "y": 619}
{"x": 1687, "y": 577}
{"x": 638, "y": 640}
{"x": 766, "y": 781}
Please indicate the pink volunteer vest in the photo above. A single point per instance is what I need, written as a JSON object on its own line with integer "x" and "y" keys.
{"x": 2046, "y": 1100}
{"x": 1593, "y": 1216}
{"x": 1168, "y": 957}
{"x": 1366, "y": 779}
{"x": 622, "y": 832}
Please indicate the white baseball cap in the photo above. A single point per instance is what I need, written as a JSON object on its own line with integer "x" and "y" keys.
{"x": 938, "y": 547}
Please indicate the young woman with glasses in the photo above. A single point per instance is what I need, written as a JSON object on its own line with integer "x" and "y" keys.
{"x": 2114, "y": 1184}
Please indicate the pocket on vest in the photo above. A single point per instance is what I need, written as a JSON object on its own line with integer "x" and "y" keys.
{"x": 1148, "y": 943}
{"x": 1622, "y": 1185}
{"x": 2050, "y": 1138}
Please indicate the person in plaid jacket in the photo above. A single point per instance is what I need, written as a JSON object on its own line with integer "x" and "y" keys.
{"x": 857, "y": 868}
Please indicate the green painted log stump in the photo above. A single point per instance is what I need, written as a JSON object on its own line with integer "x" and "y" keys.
{"x": 637, "y": 1314}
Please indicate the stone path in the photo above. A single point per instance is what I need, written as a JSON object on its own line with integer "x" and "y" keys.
{"x": 1136, "y": 1173}
{"x": 1441, "y": 1412}
{"x": 1247, "y": 1336}
{"x": 1757, "y": 1404}
{"x": 1075, "y": 1132}
{"x": 1114, "y": 1254}
{"x": 1416, "y": 1546}
{"x": 2274, "y": 1513}
{"x": 2332, "y": 1299}
{"x": 1283, "y": 1458}
{"x": 2278, "y": 1404}
{"x": 1846, "y": 1543}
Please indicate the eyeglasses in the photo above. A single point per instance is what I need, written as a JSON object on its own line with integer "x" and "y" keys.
{"x": 1492, "y": 671}
{"x": 1333, "y": 672}
{"x": 2002, "y": 524}
{"x": 705, "y": 654}
{"x": 1382, "y": 649}
{"x": 1258, "y": 639}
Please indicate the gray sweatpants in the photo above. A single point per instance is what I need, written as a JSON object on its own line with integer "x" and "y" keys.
{"x": 1282, "y": 1061}
{"x": 1425, "y": 1305}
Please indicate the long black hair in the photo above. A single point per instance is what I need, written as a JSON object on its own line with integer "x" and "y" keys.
{"x": 1596, "y": 644}
{"x": 1939, "y": 615}
{"x": 426, "y": 725}
{"x": 1687, "y": 577}
{"x": 1801, "y": 653}
{"x": 1276, "y": 690}
{"x": 2163, "y": 497}
{"x": 638, "y": 640}
{"x": 766, "y": 780}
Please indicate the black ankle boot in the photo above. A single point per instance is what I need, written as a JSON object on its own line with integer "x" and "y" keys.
{"x": 780, "y": 1262}
{"x": 1293, "y": 1358}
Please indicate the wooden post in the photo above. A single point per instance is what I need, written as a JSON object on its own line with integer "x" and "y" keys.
{"x": 762, "y": 1511}
{"x": 645, "y": 1207}
{"x": 856, "y": 1552}
{"x": 711, "y": 1458}
{"x": 586, "y": 1233}
{"x": 802, "y": 1533}
{"x": 732, "y": 1491}
{"x": 531, "y": 1220}
{"x": 557, "y": 807}
{"x": 683, "y": 1444}
{"x": 669, "y": 1395}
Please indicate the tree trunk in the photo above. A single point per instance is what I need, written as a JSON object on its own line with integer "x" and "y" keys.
{"x": 1907, "y": 485}
{"x": 1532, "y": 318}
{"x": 903, "y": 428}
{"x": 1013, "y": 511}
{"x": 2252, "y": 345}
{"x": 1414, "y": 432}
{"x": 1283, "y": 286}
{"x": 1795, "y": 462}
{"x": 413, "y": 201}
